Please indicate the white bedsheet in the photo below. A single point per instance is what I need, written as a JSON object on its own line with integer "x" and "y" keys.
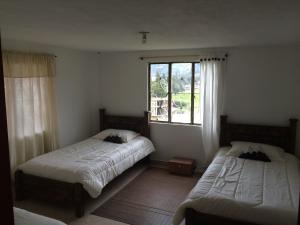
{"x": 92, "y": 162}
{"x": 23, "y": 217}
{"x": 247, "y": 190}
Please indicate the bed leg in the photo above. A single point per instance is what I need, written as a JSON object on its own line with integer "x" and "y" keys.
{"x": 79, "y": 200}
{"x": 19, "y": 185}
{"x": 147, "y": 159}
{"x": 188, "y": 217}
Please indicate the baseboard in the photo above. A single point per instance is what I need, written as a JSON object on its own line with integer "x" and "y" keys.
{"x": 159, "y": 164}
{"x": 200, "y": 169}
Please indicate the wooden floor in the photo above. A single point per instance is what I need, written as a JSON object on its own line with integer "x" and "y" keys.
{"x": 150, "y": 199}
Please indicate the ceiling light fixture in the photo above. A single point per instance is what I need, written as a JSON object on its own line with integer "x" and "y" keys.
{"x": 144, "y": 36}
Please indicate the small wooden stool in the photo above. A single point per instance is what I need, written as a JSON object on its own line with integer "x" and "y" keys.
{"x": 182, "y": 166}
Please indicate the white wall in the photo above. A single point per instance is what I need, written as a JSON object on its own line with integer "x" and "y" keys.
{"x": 262, "y": 85}
{"x": 77, "y": 82}
{"x": 123, "y": 90}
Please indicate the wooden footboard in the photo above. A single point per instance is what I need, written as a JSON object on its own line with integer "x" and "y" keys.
{"x": 55, "y": 191}
{"x": 192, "y": 217}
{"x": 50, "y": 190}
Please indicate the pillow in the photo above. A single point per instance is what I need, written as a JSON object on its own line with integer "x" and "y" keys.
{"x": 126, "y": 135}
{"x": 238, "y": 147}
{"x": 103, "y": 134}
{"x": 114, "y": 139}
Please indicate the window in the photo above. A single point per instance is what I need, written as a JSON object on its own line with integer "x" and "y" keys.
{"x": 174, "y": 92}
{"x": 25, "y": 101}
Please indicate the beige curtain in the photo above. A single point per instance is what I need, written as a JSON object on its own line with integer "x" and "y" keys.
{"x": 31, "y": 113}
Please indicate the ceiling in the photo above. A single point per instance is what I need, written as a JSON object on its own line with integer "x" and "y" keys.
{"x": 113, "y": 25}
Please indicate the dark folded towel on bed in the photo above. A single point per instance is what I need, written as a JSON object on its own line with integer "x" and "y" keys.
{"x": 260, "y": 156}
{"x": 114, "y": 139}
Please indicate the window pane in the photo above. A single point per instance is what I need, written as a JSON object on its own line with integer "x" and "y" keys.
{"x": 159, "y": 76}
{"x": 197, "y": 94}
{"x": 181, "y": 92}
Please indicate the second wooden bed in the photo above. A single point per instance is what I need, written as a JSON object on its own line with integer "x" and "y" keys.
{"x": 281, "y": 136}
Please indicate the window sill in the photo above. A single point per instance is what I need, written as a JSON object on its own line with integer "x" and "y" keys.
{"x": 175, "y": 124}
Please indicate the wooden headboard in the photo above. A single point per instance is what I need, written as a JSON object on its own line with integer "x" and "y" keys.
{"x": 137, "y": 124}
{"x": 282, "y": 136}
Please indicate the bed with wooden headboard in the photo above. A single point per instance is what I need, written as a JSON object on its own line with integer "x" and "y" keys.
{"x": 28, "y": 185}
{"x": 135, "y": 123}
{"x": 281, "y": 136}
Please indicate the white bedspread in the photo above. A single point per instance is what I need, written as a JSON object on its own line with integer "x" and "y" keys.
{"x": 92, "y": 162}
{"x": 23, "y": 217}
{"x": 248, "y": 190}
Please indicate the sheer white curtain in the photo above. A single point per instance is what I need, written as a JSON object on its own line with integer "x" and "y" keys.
{"x": 31, "y": 113}
{"x": 211, "y": 102}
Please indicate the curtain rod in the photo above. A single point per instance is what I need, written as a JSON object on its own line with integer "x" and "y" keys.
{"x": 25, "y": 52}
{"x": 178, "y": 56}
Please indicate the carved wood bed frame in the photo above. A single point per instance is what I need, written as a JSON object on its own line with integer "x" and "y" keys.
{"x": 282, "y": 136}
{"x": 27, "y": 185}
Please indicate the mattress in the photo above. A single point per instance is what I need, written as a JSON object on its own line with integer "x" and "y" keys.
{"x": 92, "y": 162}
{"x": 23, "y": 217}
{"x": 247, "y": 190}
